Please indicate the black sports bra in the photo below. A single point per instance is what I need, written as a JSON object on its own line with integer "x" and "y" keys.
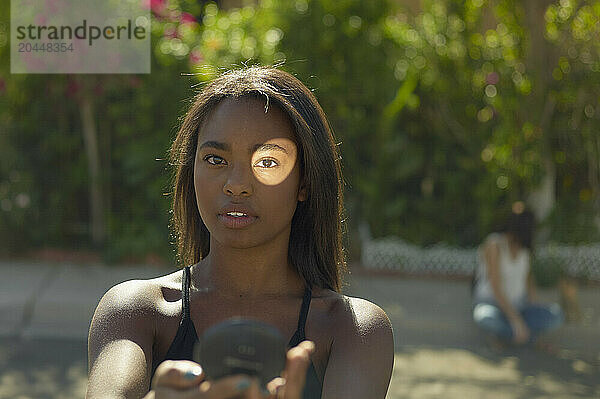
{"x": 183, "y": 344}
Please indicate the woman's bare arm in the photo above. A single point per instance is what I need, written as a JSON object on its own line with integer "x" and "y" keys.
{"x": 362, "y": 354}
{"x": 492, "y": 262}
{"x": 531, "y": 287}
{"x": 120, "y": 342}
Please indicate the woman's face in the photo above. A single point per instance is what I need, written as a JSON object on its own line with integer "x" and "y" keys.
{"x": 246, "y": 173}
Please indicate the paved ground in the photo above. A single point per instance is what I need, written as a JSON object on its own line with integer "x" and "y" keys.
{"x": 45, "y": 311}
{"x": 441, "y": 354}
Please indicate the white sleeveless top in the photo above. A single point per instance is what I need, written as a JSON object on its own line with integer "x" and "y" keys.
{"x": 513, "y": 272}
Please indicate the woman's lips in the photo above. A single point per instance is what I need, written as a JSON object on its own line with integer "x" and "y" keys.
{"x": 236, "y": 222}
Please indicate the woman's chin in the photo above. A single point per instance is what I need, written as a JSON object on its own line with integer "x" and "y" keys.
{"x": 236, "y": 241}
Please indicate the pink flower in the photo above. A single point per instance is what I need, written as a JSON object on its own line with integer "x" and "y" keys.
{"x": 187, "y": 18}
{"x": 170, "y": 32}
{"x": 196, "y": 56}
{"x": 157, "y": 6}
{"x": 492, "y": 78}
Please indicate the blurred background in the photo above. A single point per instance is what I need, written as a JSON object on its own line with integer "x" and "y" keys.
{"x": 446, "y": 113}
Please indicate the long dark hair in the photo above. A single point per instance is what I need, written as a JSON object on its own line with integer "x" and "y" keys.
{"x": 315, "y": 245}
{"x": 521, "y": 226}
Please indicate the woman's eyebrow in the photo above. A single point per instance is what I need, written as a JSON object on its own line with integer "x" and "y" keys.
{"x": 215, "y": 144}
{"x": 268, "y": 147}
{"x": 256, "y": 147}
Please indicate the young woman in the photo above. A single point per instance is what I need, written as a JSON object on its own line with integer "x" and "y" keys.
{"x": 257, "y": 213}
{"x": 504, "y": 292}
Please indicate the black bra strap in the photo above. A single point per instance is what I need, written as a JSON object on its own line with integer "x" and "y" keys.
{"x": 185, "y": 293}
{"x": 304, "y": 312}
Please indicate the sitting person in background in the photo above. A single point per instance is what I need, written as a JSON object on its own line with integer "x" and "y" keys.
{"x": 504, "y": 290}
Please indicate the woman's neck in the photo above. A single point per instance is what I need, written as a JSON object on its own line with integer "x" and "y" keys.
{"x": 249, "y": 273}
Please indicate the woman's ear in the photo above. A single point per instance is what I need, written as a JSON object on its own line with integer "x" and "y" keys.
{"x": 302, "y": 192}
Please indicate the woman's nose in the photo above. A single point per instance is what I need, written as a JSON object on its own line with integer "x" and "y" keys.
{"x": 239, "y": 182}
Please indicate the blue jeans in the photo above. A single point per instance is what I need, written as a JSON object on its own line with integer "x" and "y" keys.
{"x": 539, "y": 318}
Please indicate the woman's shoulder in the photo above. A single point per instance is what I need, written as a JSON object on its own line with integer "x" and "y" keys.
{"x": 362, "y": 347}
{"x": 356, "y": 316}
{"x": 493, "y": 240}
{"x": 140, "y": 296}
{"x": 495, "y": 237}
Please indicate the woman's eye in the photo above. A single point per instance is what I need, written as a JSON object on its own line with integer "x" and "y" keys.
{"x": 216, "y": 160}
{"x": 267, "y": 163}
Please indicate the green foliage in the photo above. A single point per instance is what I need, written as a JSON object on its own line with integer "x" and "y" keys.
{"x": 573, "y": 28}
{"x": 444, "y": 117}
{"x": 44, "y": 179}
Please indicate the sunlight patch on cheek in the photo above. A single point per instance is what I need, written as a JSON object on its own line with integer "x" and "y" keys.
{"x": 285, "y": 161}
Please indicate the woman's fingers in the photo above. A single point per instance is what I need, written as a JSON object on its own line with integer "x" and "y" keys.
{"x": 184, "y": 379}
{"x": 274, "y": 385}
{"x": 230, "y": 387}
{"x": 178, "y": 374}
{"x": 236, "y": 386}
{"x": 298, "y": 359}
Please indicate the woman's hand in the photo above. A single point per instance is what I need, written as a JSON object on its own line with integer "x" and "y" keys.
{"x": 521, "y": 332}
{"x": 184, "y": 379}
{"x": 291, "y": 384}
